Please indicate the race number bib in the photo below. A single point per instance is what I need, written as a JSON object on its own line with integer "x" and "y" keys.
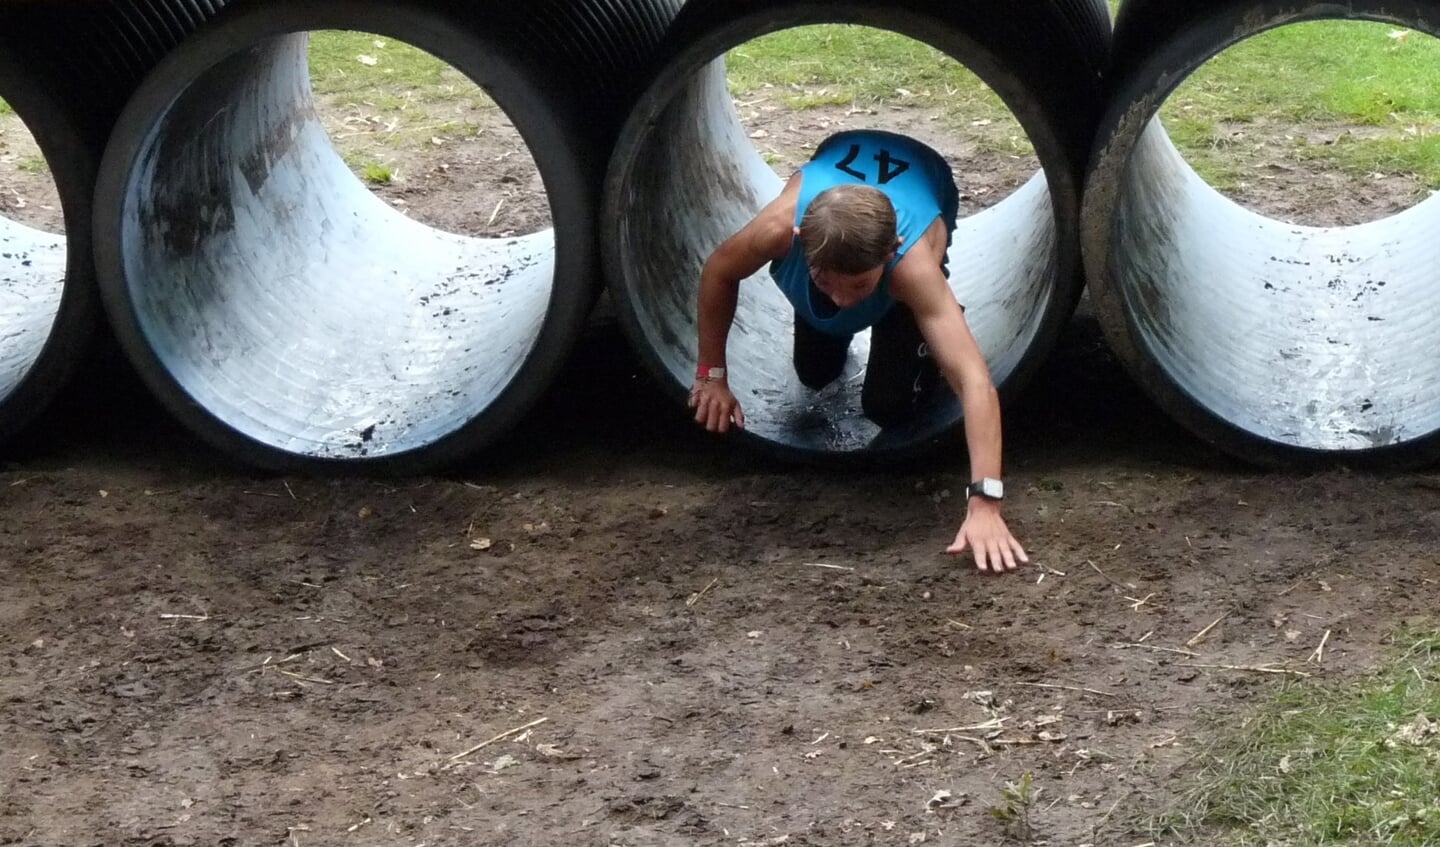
{"x": 889, "y": 166}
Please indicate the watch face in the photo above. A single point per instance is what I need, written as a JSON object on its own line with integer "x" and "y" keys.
{"x": 992, "y": 488}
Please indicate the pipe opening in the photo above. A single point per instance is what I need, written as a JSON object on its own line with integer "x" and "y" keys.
{"x": 284, "y": 272}
{"x": 425, "y": 138}
{"x": 715, "y": 142}
{"x": 1302, "y": 338}
{"x": 32, "y": 252}
{"x": 1322, "y": 123}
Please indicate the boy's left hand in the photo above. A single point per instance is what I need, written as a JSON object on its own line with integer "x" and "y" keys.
{"x": 984, "y": 532}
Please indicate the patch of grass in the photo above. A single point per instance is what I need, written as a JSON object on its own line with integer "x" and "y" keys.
{"x": 33, "y": 165}
{"x": 1332, "y": 72}
{"x": 6, "y": 108}
{"x": 1387, "y": 155}
{"x": 1319, "y": 69}
{"x": 356, "y": 68}
{"x": 377, "y": 174}
{"x": 838, "y": 64}
{"x": 1211, "y": 152}
{"x": 1327, "y": 764}
{"x": 382, "y": 96}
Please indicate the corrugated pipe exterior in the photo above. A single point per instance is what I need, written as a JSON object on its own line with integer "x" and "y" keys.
{"x": 67, "y": 69}
{"x": 685, "y": 176}
{"x": 1283, "y": 345}
{"x": 298, "y": 322}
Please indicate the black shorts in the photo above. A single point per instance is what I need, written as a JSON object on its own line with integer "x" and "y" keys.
{"x": 899, "y": 376}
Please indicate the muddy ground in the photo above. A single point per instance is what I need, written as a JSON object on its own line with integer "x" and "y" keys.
{"x": 615, "y": 630}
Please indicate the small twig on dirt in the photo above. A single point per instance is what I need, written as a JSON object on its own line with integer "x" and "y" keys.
{"x": 483, "y": 744}
{"x": 1111, "y": 712}
{"x": 288, "y": 490}
{"x": 185, "y": 617}
{"x": 979, "y": 742}
{"x": 1108, "y": 578}
{"x": 1206, "y": 631}
{"x": 912, "y": 757}
{"x": 1051, "y": 570}
{"x": 261, "y": 494}
{"x": 993, "y": 723}
{"x": 1156, "y": 648}
{"x": 1250, "y": 668}
{"x": 303, "y": 678}
{"x": 1318, "y": 657}
{"x": 953, "y": 622}
{"x": 1067, "y": 688}
{"x": 1095, "y": 830}
{"x": 1135, "y": 603}
{"x": 260, "y": 666}
{"x": 695, "y": 598}
{"x": 496, "y": 213}
{"x": 337, "y": 652}
{"x": 827, "y": 567}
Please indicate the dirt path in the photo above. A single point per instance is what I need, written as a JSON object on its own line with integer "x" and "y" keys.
{"x": 721, "y": 651}
{"x": 663, "y": 640}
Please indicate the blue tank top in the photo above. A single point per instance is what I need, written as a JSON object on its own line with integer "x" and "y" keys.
{"x": 919, "y": 184}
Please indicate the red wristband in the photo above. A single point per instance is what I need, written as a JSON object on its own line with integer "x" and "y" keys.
{"x": 706, "y": 372}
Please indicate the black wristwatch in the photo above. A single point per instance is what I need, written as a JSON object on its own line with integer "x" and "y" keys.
{"x": 990, "y": 489}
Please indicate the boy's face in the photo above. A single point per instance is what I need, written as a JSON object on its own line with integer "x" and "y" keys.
{"x": 846, "y": 290}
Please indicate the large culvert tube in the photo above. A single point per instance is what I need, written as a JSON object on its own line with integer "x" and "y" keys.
{"x": 685, "y": 176}
{"x": 67, "y": 69}
{"x": 297, "y": 321}
{"x": 1280, "y": 344}
{"x": 48, "y": 309}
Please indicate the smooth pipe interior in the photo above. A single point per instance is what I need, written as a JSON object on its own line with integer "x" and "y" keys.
{"x": 32, "y": 286}
{"x": 1321, "y": 338}
{"x": 292, "y": 304}
{"x": 694, "y": 178}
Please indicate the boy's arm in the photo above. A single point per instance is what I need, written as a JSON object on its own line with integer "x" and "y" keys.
{"x": 764, "y": 239}
{"x": 918, "y": 284}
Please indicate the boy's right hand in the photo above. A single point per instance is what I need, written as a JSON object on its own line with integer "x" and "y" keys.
{"x": 715, "y": 406}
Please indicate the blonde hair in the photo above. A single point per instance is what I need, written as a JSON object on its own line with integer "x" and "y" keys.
{"x": 849, "y": 229}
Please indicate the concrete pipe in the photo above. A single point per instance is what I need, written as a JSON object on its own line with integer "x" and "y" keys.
{"x": 685, "y": 176}
{"x": 66, "y": 67}
{"x": 48, "y": 309}
{"x": 297, "y": 321}
{"x": 1283, "y": 345}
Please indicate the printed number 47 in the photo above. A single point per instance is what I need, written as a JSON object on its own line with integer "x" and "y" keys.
{"x": 890, "y": 167}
